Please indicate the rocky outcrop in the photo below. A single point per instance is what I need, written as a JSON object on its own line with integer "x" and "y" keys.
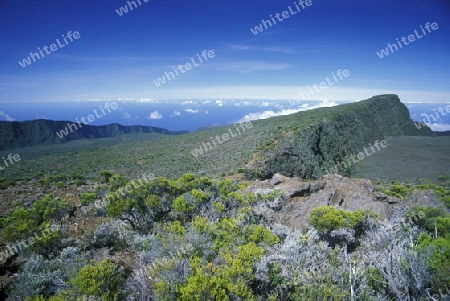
{"x": 299, "y": 198}
{"x": 321, "y": 138}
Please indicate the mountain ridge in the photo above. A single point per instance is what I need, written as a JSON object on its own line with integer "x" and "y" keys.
{"x": 16, "y": 134}
{"x": 306, "y": 144}
{"x": 328, "y": 136}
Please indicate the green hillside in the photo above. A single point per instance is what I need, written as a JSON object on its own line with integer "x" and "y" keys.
{"x": 303, "y": 144}
{"x": 147, "y": 216}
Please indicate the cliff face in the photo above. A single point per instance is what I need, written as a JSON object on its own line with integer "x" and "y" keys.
{"x": 37, "y": 132}
{"x": 331, "y": 135}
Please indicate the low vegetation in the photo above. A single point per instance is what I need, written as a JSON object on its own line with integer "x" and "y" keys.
{"x": 195, "y": 238}
{"x": 194, "y": 231}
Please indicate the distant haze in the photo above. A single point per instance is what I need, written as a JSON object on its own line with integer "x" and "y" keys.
{"x": 188, "y": 115}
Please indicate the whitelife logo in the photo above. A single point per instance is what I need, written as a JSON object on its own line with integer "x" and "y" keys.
{"x": 427, "y": 118}
{"x": 284, "y": 15}
{"x": 361, "y": 156}
{"x": 321, "y": 86}
{"x": 91, "y": 118}
{"x": 17, "y": 247}
{"x": 188, "y": 66}
{"x": 124, "y": 9}
{"x": 71, "y": 36}
{"x": 411, "y": 38}
{"x": 207, "y": 146}
{"x": 10, "y": 158}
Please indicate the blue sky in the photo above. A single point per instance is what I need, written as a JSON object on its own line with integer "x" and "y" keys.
{"x": 120, "y": 57}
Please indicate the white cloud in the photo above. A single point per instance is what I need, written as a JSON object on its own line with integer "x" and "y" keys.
{"x": 188, "y": 102}
{"x": 155, "y": 115}
{"x": 288, "y": 92}
{"x": 247, "y": 67}
{"x": 266, "y": 114}
{"x": 219, "y": 102}
{"x": 5, "y": 116}
{"x": 245, "y": 104}
{"x": 270, "y": 113}
{"x": 440, "y": 127}
{"x": 192, "y": 111}
{"x": 176, "y": 113}
{"x": 126, "y": 115}
{"x": 259, "y": 48}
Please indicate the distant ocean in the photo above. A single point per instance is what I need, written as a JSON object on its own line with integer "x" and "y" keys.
{"x": 184, "y": 115}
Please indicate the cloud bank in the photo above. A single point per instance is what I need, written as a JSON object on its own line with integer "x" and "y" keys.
{"x": 270, "y": 113}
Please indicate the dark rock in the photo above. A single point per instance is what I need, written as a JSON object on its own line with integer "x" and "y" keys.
{"x": 379, "y": 196}
{"x": 393, "y": 200}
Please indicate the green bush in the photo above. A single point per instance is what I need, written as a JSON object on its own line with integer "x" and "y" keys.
{"x": 4, "y": 183}
{"x": 227, "y": 281}
{"x": 182, "y": 206}
{"x": 60, "y": 185}
{"x": 439, "y": 261}
{"x": 88, "y": 197}
{"x": 52, "y": 179}
{"x": 22, "y": 222}
{"x": 105, "y": 176}
{"x": 432, "y": 219}
{"x": 57, "y": 178}
{"x": 103, "y": 279}
{"x": 320, "y": 290}
{"x": 35, "y": 225}
{"x": 227, "y": 186}
{"x": 327, "y": 218}
{"x": 441, "y": 191}
{"x": 199, "y": 195}
{"x": 259, "y": 234}
{"x": 398, "y": 190}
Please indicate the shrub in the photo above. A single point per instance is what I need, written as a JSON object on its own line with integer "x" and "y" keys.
{"x": 327, "y": 218}
{"x": 186, "y": 180}
{"x": 4, "y": 183}
{"x": 36, "y": 226}
{"x": 50, "y": 208}
{"x": 398, "y": 190}
{"x": 110, "y": 235}
{"x": 431, "y": 219}
{"x": 439, "y": 260}
{"x": 103, "y": 279}
{"x": 181, "y": 205}
{"x": 105, "y": 176}
{"x": 442, "y": 192}
{"x": 227, "y": 186}
{"x": 79, "y": 182}
{"x": 116, "y": 181}
{"x": 259, "y": 234}
{"x": 61, "y": 185}
{"x": 88, "y": 197}
{"x": 444, "y": 178}
{"x": 22, "y": 223}
{"x": 202, "y": 225}
{"x": 42, "y": 277}
{"x": 199, "y": 195}
{"x": 219, "y": 207}
{"x": 228, "y": 281}
{"x": 54, "y": 178}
